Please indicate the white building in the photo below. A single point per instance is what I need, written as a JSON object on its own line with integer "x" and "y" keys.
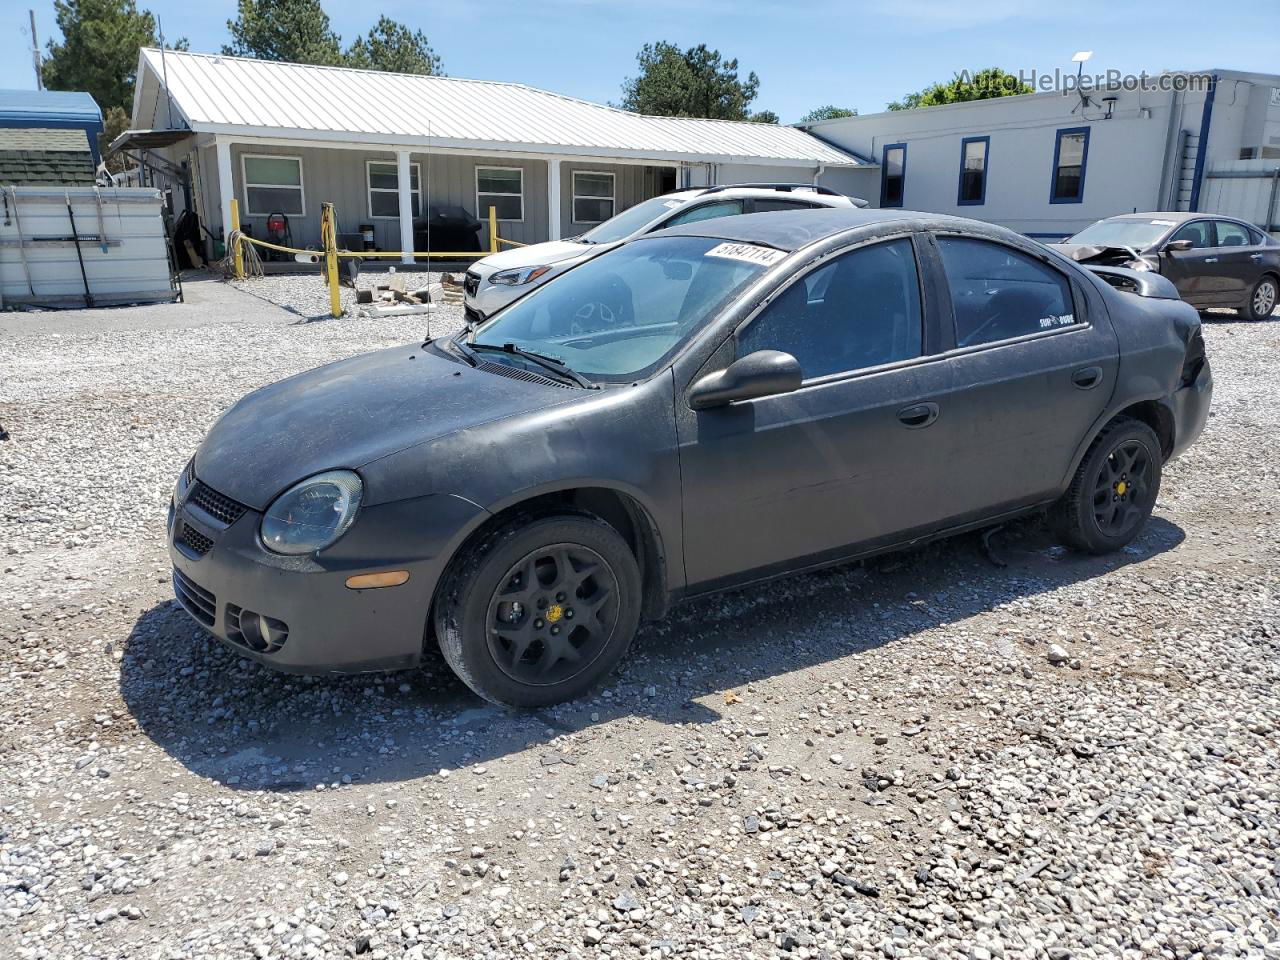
{"x": 381, "y": 146}
{"x": 1047, "y": 164}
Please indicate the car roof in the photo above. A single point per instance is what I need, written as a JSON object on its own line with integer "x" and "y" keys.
{"x": 794, "y": 230}
{"x": 1174, "y": 216}
{"x": 816, "y": 194}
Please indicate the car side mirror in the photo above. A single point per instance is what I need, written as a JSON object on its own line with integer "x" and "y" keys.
{"x": 760, "y": 374}
{"x": 1178, "y": 246}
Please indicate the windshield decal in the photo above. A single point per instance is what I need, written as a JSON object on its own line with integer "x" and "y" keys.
{"x": 749, "y": 252}
{"x": 672, "y": 204}
{"x": 1164, "y": 223}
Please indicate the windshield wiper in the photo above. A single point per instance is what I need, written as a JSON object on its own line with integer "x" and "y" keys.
{"x": 458, "y": 349}
{"x": 547, "y": 363}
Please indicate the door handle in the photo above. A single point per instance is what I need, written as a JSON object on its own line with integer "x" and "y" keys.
{"x": 1255, "y": 256}
{"x": 1210, "y": 259}
{"x": 918, "y": 415}
{"x": 1087, "y": 377}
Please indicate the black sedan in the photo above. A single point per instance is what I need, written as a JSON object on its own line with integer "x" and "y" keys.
{"x": 788, "y": 390}
{"x": 1213, "y": 261}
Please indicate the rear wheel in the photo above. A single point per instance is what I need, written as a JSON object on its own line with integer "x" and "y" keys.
{"x": 1114, "y": 488}
{"x": 540, "y": 610}
{"x": 1262, "y": 301}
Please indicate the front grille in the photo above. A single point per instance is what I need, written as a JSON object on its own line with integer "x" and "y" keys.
{"x": 471, "y": 282}
{"x": 195, "y": 599}
{"x": 193, "y": 539}
{"x": 516, "y": 373}
{"x": 215, "y": 504}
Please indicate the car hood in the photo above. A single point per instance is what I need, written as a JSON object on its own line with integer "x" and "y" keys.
{"x": 1081, "y": 252}
{"x": 536, "y": 254}
{"x": 349, "y": 413}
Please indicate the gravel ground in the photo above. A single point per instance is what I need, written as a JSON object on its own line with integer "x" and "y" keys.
{"x": 926, "y": 756}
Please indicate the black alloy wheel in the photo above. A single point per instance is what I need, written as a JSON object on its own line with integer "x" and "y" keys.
{"x": 537, "y": 611}
{"x": 552, "y": 614}
{"x": 1121, "y": 489}
{"x": 1113, "y": 489}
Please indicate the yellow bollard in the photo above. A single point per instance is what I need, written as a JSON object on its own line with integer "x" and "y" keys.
{"x": 237, "y": 252}
{"x": 329, "y": 235}
{"x": 493, "y": 229}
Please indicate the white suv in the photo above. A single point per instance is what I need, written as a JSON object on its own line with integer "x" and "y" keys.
{"x": 495, "y": 281}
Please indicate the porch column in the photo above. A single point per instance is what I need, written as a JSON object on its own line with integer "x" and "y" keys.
{"x": 554, "y": 213}
{"x": 226, "y": 182}
{"x": 405, "y": 191}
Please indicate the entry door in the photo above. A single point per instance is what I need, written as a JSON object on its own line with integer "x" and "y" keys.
{"x": 1239, "y": 260}
{"x": 1193, "y": 271}
{"x": 851, "y": 457}
{"x": 1029, "y": 377}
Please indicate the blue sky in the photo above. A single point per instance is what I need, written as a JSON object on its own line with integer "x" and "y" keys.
{"x": 856, "y": 54}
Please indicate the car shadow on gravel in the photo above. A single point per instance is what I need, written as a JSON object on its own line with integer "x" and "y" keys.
{"x": 249, "y": 727}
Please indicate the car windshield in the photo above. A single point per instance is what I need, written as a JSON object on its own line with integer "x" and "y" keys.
{"x": 616, "y": 317}
{"x": 1123, "y": 233}
{"x": 631, "y": 219}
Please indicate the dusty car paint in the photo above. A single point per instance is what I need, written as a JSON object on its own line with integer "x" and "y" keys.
{"x": 716, "y": 500}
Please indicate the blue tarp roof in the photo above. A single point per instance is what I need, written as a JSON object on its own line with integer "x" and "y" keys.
{"x": 49, "y": 108}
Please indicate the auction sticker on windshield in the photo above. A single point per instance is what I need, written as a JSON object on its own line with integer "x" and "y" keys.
{"x": 764, "y": 256}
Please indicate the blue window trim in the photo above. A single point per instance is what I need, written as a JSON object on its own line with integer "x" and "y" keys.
{"x": 884, "y": 167}
{"x": 986, "y": 155}
{"x": 1084, "y": 164}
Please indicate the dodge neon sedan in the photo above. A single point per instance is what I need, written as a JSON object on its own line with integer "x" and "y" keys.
{"x": 790, "y": 390}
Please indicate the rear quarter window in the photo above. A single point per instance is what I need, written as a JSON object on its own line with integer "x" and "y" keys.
{"x": 999, "y": 293}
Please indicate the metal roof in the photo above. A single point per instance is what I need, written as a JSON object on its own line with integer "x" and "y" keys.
{"x": 48, "y": 108}
{"x": 222, "y": 94}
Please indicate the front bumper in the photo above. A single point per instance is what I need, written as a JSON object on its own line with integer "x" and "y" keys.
{"x": 311, "y": 621}
{"x": 1190, "y": 405}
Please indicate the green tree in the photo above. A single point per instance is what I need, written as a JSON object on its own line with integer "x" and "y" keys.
{"x": 99, "y": 54}
{"x": 393, "y": 47}
{"x": 829, "y": 112}
{"x": 296, "y": 31}
{"x": 963, "y": 87}
{"x": 696, "y": 82}
{"x": 99, "y": 49}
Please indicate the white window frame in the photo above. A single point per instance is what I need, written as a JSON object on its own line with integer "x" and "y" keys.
{"x": 574, "y": 196}
{"x": 245, "y": 184}
{"x": 482, "y": 213}
{"x": 370, "y": 189}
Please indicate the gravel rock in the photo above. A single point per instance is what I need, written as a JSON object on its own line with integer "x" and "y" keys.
{"x": 985, "y": 804}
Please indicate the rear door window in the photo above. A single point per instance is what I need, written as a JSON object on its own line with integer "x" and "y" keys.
{"x": 770, "y": 205}
{"x": 708, "y": 211}
{"x": 1232, "y": 234}
{"x": 999, "y": 293}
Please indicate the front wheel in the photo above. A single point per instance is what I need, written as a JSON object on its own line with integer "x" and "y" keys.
{"x": 1114, "y": 488}
{"x": 538, "y": 611}
{"x": 1262, "y": 301}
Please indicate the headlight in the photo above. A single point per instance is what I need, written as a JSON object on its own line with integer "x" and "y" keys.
{"x": 1142, "y": 265}
{"x": 518, "y": 278}
{"x": 184, "y": 481}
{"x": 313, "y": 514}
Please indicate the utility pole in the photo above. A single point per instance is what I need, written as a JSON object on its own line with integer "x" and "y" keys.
{"x": 35, "y": 52}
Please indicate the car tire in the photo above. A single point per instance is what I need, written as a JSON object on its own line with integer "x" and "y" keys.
{"x": 537, "y": 611}
{"x": 1113, "y": 490}
{"x": 1262, "y": 299}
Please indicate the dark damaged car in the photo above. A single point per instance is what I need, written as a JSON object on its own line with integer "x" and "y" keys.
{"x": 790, "y": 390}
{"x": 1212, "y": 261}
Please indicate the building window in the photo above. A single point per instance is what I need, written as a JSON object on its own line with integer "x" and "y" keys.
{"x": 384, "y": 190}
{"x": 973, "y": 171}
{"x": 893, "y": 174}
{"x": 272, "y": 185}
{"x": 501, "y": 187}
{"x": 592, "y": 196}
{"x": 1070, "y": 152}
